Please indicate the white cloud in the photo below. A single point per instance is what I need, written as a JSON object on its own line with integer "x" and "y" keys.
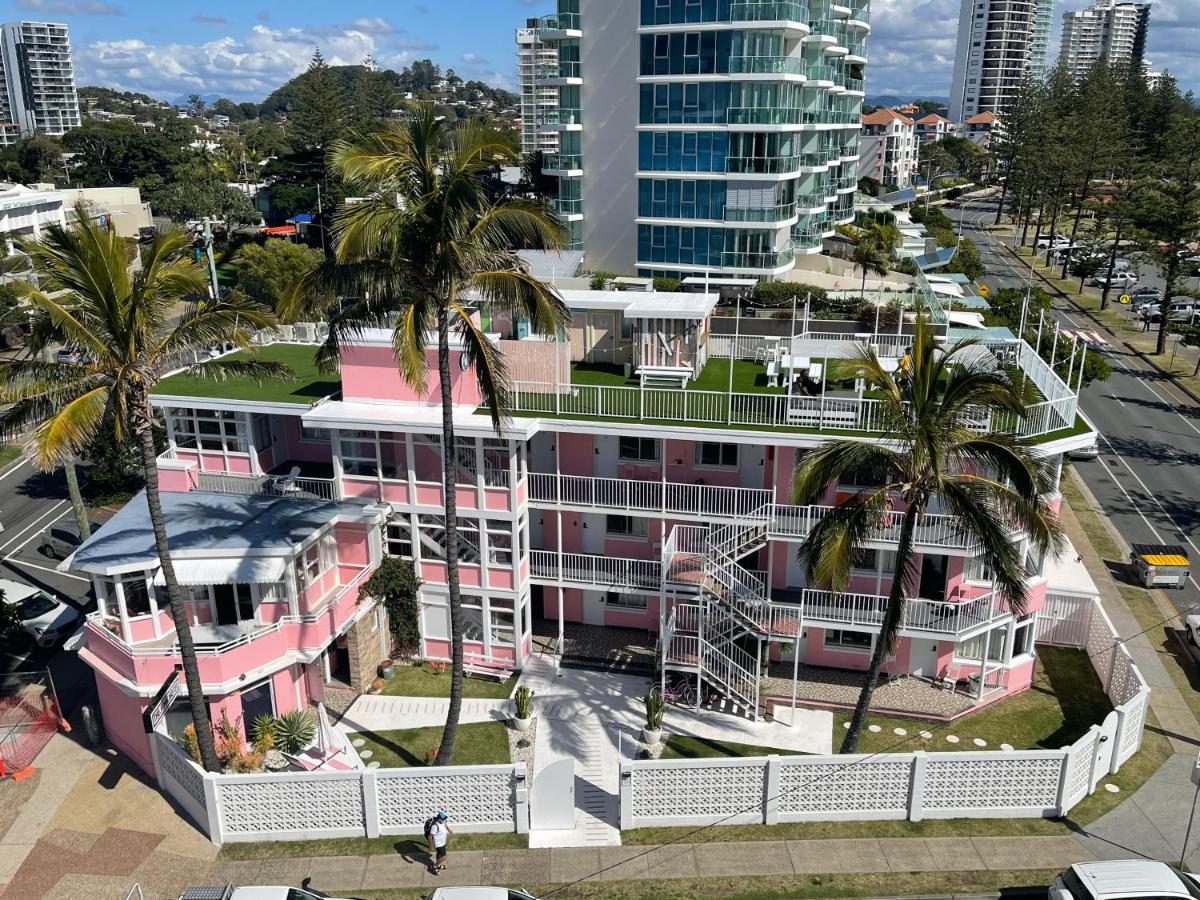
{"x": 474, "y": 59}
{"x": 247, "y": 67}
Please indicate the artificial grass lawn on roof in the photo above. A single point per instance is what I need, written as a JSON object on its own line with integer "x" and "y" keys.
{"x": 305, "y": 387}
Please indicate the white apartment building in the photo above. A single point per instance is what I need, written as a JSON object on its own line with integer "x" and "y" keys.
{"x": 537, "y": 62}
{"x": 1108, "y": 31}
{"x": 887, "y": 148}
{"x": 999, "y": 43}
{"x": 933, "y": 128}
{"x": 707, "y": 137}
{"x": 37, "y": 81}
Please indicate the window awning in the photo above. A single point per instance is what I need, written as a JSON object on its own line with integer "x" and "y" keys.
{"x": 246, "y": 570}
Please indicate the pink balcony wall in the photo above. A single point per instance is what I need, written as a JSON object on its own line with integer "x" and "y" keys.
{"x": 122, "y": 717}
{"x": 370, "y": 373}
{"x": 302, "y": 450}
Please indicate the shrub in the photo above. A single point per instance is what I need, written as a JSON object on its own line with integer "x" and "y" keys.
{"x": 655, "y": 707}
{"x": 191, "y": 744}
{"x": 395, "y": 585}
{"x": 262, "y": 732}
{"x": 294, "y": 730}
{"x": 669, "y": 285}
{"x": 600, "y": 280}
{"x": 524, "y": 702}
{"x": 781, "y": 294}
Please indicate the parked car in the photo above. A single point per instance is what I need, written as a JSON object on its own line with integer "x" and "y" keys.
{"x": 1091, "y": 451}
{"x": 1178, "y": 312}
{"x": 1127, "y": 879}
{"x": 61, "y": 540}
{"x": 45, "y": 619}
{"x": 1146, "y": 295}
{"x": 254, "y": 892}
{"x": 1191, "y": 625}
{"x": 1059, "y": 240}
{"x": 1117, "y": 279}
{"x": 478, "y": 893}
{"x": 72, "y": 354}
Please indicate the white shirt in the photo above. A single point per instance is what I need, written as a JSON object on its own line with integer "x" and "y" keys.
{"x": 439, "y": 832}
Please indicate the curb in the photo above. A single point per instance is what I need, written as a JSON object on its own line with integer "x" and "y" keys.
{"x": 1059, "y": 292}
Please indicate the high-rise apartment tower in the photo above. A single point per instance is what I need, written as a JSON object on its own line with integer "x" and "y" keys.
{"x": 37, "y": 81}
{"x": 1000, "y": 43}
{"x": 707, "y": 137}
{"x": 537, "y": 61}
{"x": 1108, "y": 31}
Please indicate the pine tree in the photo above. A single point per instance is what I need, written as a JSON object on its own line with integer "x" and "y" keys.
{"x": 318, "y": 117}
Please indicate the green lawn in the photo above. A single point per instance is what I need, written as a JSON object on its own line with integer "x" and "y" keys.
{"x": 366, "y": 846}
{"x": 748, "y": 378}
{"x": 680, "y": 746}
{"x": 422, "y": 681}
{"x": 478, "y": 744}
{"x": 307, "y": 386}
{"x": 9, "y": 454}
{"x": 1065, "y": 700}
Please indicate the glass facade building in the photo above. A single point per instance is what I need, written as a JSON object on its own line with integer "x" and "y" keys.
{"x": 707, "y": 136}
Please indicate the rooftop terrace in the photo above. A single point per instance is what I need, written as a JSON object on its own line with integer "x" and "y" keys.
{"x": 307, "y": 386}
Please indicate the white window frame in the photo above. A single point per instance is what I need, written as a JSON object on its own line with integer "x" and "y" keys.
{"x": 639, "y": 526}
{"x": 643, "y": 443}
{"x": 721, "y": 451}
{"x": 837, "y": 646}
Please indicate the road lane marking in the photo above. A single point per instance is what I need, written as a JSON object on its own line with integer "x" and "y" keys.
{"x": 15, "y": 562}
{"x": 18, "y": 464}
{"x": 52, "y": 515}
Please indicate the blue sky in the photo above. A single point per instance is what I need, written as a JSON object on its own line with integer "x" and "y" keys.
{"x": 245, "y": 48}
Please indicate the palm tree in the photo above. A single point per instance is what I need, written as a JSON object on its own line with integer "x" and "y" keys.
{"x": 427, "y": 246}
{"x": 990, "y": 481}
{"x": 872, "y": 253}
{"x": 124, "y": 323}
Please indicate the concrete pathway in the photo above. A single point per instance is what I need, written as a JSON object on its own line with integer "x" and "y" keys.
{"x": 376, "y": 712}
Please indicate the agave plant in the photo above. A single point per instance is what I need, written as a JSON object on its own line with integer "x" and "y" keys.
{"x": 294, "y": 730}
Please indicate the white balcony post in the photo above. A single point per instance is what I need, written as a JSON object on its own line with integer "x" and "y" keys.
{"x": 559, "y": 543}
{"x": 119, "y": 590}
{"x": 150, "y": 592}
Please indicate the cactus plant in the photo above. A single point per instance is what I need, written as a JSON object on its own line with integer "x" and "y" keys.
{"x": 655, "y": 707}
{"x": 524, "y": 702}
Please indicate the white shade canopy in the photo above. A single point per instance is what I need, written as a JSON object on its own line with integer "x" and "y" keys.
{"x": 228, "y": 570}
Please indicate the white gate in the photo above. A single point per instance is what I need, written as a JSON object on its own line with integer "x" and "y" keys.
{"x": 552, "y": 800}
{"x": 1106, "y": 748}
{"x": 1064, "y": 620}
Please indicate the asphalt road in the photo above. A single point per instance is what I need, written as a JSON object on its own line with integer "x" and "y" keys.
{"x": 29, "y": 502}
{"x": 1147, "y": 477}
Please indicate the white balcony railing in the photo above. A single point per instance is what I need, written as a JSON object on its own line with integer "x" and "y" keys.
{"x": 669, "y": 497}
{"x": 599, "y": 572}
{"x": 923, "y": 616}
{"x": 267, "y": 485}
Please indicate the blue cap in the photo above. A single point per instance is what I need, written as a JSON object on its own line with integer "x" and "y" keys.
{"x": 442, "y": 814}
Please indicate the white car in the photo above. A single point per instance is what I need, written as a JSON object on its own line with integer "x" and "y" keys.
{"x": 1057, "y": 241}
{"x": 1117, "y": 280}
{"x": 478, "y": 893}
{"x": 254, "y": 892}
{"x": 45, "y": 618}
{"x": 1124, "y": 879}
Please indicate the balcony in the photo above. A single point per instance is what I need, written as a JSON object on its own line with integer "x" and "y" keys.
{"x": 766, "y": 65}
{"x": 562, "y": 26}
{"x": 760, "y": 261}
{"x": 691, "y": 501}
{"x": 822, "y": 73}
{"x": 943, "y": 619}
{"x": 292, "y": 488}
{"x": 595, "y": 572}
{"x": 224, "y": 661}
{"x": 563, "y": 164}
{"x": 569, "y": 209}
{"x": 759, "y": 11}
{"x": 769, "y": 215}
{"x": 562, "y": 119}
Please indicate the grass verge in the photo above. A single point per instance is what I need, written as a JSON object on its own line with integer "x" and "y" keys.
{"x": 420, "y": 680}
{"x": 9, "y": 454}
{"x": 414, "y": 844}
{"x": 306, "y": 385}
{"x": 478, "y": 744}
{"x": 682, "y": 746}
{"x": 779, "y": 887}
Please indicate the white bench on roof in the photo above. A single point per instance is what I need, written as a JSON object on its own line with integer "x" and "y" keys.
{"x": 481, "y": 667}
{"x": 668, "y": 374}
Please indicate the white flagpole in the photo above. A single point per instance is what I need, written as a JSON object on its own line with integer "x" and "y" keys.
{"x": 1079, "y": 386}
{"x": 1054, "y": 346}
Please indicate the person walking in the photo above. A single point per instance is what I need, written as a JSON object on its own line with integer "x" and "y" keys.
{"x": 437, "y": 834}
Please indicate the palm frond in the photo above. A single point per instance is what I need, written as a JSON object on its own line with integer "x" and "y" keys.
{"x": 828, "y": 553}
{"x": 485, "y": 358}
{"x": 819, "y": 468}
{"x": 60, "y": 437}
{"x": 257, "y": 370}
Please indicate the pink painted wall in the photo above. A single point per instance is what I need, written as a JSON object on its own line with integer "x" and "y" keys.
{"x": 575, "y": 453}
{"x": 177, "y": 475}
{"x": 680, "y": 457}
{"x": 283, "y": 684}
{"x": 230, "y": 706}
{"x": 369, "y": 373}
{"x": 572, "y": 604}
{"x": 817, "y": 655}
{"x": 302, "y": 450}
{"x": 352, "y": 546}
{"x": 536, "y": 361}
{"x": 360, "y": 486}
{"x": 122, "y": 717}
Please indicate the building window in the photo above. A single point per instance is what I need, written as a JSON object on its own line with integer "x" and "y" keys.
{"x": 638, "y": 449}
{"x": 1023, "y": 637}
{"x": 978, "y": 569}
{"x": 433, "y": 539}
{"x": 314, "y": 435}
{"x": 358, "y": 453}
{"x": 709, "y": 454}
{"x": 397, "y": 539}
{"x": 625, "y": 526}
{"x": 500, "y": 626}
{"x": 836, "y": 639}
{"x": 972, "y": 648}
{"x": 625, "y": 601}
{"x": 208, "y": 429}
{"x": 263, "y": 437}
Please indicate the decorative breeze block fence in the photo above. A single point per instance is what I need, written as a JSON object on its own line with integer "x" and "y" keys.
{"x": 364, "y": 803}
{"x": 917, "y": 785}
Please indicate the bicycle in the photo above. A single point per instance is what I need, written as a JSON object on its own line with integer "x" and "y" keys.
{"x": 680, "y": 692}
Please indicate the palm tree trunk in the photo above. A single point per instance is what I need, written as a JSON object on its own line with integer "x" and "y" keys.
{"x": 1112, "y": 263}
{"x": 887, "y": 632}
{"x": 183, "y": 634}
{"x": 1003, "y": 197}
{"x": 77, "y": 505}
{"x": 862, "y": 292}
{"x": 450, "y": 484}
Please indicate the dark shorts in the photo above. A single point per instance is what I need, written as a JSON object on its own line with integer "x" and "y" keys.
{"x": 440, "y": 854}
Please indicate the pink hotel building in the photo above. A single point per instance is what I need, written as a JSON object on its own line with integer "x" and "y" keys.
{"x": 638, "y": 488}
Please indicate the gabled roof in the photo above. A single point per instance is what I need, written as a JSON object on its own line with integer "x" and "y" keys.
{"x": 933, "y": 119}
{"x": 983, "y": 118}
{"x": 883, "y": 116}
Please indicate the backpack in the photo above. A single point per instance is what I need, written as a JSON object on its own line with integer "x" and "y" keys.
{"x": 429, "y": 823}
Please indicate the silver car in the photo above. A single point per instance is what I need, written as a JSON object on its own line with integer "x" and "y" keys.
{"x": 60, "y": 540}
{"x": 44, "y": 618}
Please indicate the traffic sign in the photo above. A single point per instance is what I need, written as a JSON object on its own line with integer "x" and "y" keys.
{"x": 983, "y": 290}
{"x": 1125, "y": 298}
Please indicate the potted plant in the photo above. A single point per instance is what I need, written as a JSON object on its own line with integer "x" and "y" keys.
{"x": 523, "y": 699}
{"x": 387, "y": 668}
{"x": 655, "y": 707}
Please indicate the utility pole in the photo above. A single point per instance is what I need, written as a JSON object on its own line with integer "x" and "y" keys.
{"x": 213, "y": 287}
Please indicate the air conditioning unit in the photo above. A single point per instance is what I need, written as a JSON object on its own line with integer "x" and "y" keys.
{"x": 306, "y": 333}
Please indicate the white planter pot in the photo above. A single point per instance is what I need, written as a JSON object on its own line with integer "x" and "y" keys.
{"x": 522, "y": 724}
{"x": 650, "y": 737}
